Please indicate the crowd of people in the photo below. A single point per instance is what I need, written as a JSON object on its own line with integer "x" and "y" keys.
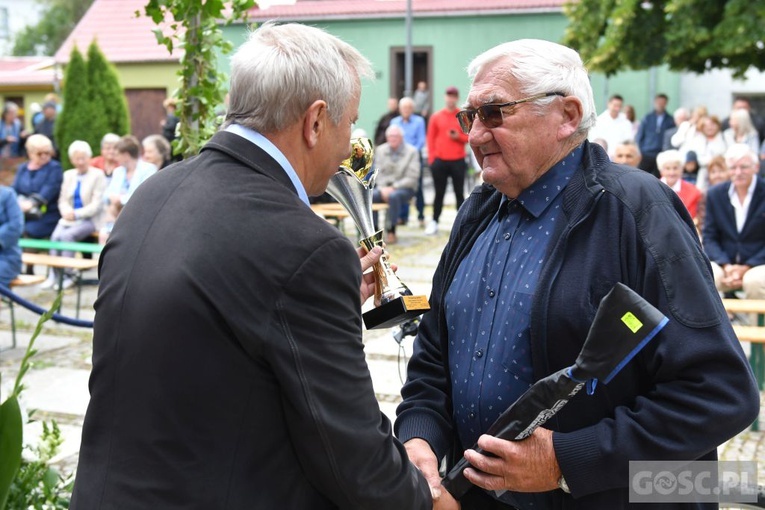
{"x": 714, "y": 167}
{"x": 68, "y": 204}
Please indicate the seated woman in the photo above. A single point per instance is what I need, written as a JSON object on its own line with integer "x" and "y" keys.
{"x": 107, "y": 161}
{"x": 157, "y": 151}
{"x": 670, "y": 165}
{"x": 80, "y": 204}
{"x": 11, "y": 226}
{"x": 38, "y": 184}
{"x": 125, "y": 180}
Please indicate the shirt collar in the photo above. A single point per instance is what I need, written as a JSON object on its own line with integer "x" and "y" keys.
{"x": 749, "y": 190}
{"x": 273, "y": 151}
{"x": 542, "y": 192}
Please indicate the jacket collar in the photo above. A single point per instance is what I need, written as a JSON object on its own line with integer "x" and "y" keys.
{"x": 250, "y": 155}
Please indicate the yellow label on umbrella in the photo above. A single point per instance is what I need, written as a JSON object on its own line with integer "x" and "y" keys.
{"x": 632, "y": 322}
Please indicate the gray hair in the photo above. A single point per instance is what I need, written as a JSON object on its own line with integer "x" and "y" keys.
{"x": 282, "y": 69}
{"x": 79, "y": 146}
{"x": 668, "y": 156}
{"x": 396, "y": 128}
{"x": 738, "y": 151}
{"x": 160, "y": 143}
{"x": 542, "y": 66}
{"x": 110, "y": 138}
{"x": 406, "y": 101}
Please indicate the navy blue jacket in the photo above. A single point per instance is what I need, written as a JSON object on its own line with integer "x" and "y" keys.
{"x": 722, "y": 241}
{"x": 690, "y": 388}
{"x": 649, "y": 139}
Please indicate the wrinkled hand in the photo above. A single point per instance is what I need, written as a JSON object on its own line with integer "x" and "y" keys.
{"x": 734, "y": 275}
{"x": 368, "y": 259}
{"x": 521, "y": 466}
{"x": 422, "y": 456}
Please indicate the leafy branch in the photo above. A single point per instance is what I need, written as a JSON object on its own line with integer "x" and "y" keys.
{"x": 195, "y": 26}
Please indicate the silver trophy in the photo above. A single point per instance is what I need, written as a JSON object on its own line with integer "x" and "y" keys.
{"x": 352, "y": 187}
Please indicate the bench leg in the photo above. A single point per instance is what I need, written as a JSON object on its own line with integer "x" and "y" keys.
{"x": 79, "y": 292}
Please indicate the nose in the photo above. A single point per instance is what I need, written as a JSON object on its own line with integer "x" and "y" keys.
{"x": 479, "y": 134}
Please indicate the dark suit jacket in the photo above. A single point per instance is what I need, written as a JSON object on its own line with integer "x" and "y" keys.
{"x": 228, "y": 367}
{"x": 722, "y": 242}
{"x": 649, "y": 138}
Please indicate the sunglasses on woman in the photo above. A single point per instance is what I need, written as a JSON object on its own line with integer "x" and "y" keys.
{"x": 492, "y": 115}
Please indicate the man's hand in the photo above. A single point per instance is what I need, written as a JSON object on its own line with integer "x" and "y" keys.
{"x": 368, "y": 259}
{"x": 734, "y": 275}
{"x": 521, "y": 466}
{"x": 422, "y": 456}
{"x": 68, "y": 215}
{"x": 385, "y": 193}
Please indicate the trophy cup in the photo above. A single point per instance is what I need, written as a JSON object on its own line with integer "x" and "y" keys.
{"x": 352, "y": 187}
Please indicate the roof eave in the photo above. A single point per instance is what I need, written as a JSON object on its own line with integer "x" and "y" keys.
{"x": 399, "y": 15}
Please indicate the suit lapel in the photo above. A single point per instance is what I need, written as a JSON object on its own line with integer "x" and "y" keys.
{"x": 755, "y": 205}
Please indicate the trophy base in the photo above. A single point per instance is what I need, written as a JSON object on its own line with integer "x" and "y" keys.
{"x": 395, "y": 312}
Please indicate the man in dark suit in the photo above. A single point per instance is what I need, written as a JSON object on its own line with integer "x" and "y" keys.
{"x": 734, "y": 226}
{"x": 650, "y": 135}
{"x": 228, "y": 365}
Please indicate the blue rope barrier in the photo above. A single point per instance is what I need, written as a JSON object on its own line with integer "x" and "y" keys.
{"x": 5, "y": 291}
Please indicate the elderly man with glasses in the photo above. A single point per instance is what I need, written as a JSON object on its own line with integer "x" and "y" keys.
{"x": 734, "y": 225}
{"x": 532, "y": 252}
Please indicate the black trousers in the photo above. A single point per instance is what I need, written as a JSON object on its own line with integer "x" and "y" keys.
{"x": 442, "y": 170}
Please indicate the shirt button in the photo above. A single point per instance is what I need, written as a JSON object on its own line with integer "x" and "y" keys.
{"x": 507, "y": 236}
{"x": 471, "y": 415}
{"x": 479, "y": 353}
{"x": 492, "y": 293}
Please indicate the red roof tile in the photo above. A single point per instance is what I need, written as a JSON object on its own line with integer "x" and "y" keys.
{"x": 341, "y": 9}
{"x": 121, "y": 35}
{"x": 24, "y": 71}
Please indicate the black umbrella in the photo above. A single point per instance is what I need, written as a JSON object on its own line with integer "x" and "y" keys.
{"x": 623, "y": 325}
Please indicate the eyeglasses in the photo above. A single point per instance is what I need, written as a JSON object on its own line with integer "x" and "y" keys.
{"x": 492, "y": 115}
{"x": 744, "y": 168}
{"x": 44, "y": 153}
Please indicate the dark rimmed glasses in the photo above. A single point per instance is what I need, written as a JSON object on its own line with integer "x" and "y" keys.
{"x": 492, "y": 115}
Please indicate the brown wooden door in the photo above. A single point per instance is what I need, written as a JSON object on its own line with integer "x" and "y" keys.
{"x": 146, "y": 111}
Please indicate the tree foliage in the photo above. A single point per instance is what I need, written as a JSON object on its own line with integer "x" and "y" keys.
{"x": 195, "y": 27}
{"x": 75, "y": 119}
{"x": 687, "y": 35}
{"x": 94, "y": 102}
{"x": 57, "y": 20}
{"x": 111, "y": 114}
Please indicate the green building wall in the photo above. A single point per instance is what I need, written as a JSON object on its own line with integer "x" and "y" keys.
{"x": 455, "y": 41}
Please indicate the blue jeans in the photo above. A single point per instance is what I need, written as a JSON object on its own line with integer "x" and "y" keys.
{"x": 396, "y": 200}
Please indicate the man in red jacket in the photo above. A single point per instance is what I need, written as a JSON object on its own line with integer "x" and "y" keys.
{"x": 446, "y": 155}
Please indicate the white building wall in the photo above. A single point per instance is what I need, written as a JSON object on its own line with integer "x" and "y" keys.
{"x": 716, "y": 90}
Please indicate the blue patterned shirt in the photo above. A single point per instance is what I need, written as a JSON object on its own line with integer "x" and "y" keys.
{"x": 488, "y": 304}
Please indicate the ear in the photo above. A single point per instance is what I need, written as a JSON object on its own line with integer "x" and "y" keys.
{"x": 314, "y": 122}
{"x": 571, "y": 117}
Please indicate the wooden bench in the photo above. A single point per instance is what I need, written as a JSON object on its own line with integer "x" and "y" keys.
{"x": 52, "y": 261}
{"x": 336, "y": 213}
{"x": 755, "y": 335}
{"x": 22, "y": 280}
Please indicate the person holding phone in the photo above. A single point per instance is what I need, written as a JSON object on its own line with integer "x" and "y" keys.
{"x": 446, "y": 155}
